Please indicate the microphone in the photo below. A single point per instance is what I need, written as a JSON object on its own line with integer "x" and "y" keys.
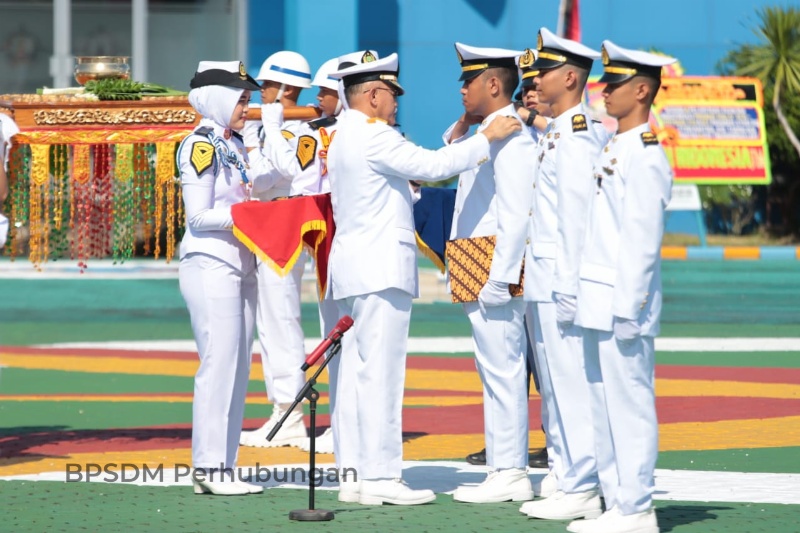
{"x": 345, "y": 323}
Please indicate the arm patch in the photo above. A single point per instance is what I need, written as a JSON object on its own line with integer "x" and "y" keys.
{"x": 649, "y": 138}
{"x": 579, "y": 123}
{"x": 306, "y": 150}
{"x": 202, "y": 156}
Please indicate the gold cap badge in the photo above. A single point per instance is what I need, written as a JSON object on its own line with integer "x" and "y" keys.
{"x": 605, "y": 54}
{"x": 526, "y": 59}
{"x": 242, "y": 71}
{"x": 368, "y": 57}
{"x": 539, "y": 42}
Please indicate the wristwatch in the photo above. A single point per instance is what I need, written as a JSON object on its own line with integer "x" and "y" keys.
{"x": 531, "y": 117}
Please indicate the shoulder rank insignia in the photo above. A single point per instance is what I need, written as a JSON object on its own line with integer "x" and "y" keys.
{"x": 376, "y": 120}
{"x": 306, "y": 150}
{"x": 579, "y": 123}
{"x": 322, "y": 123}
{"x": 202, "y": 156}
{"x": 288, "y": 135}
{"x": 649, "y": 138}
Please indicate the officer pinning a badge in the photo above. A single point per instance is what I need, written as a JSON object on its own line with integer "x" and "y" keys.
{"x": 562, "y": 192}
{"x": 619, "y": 292}
{"x": 284, "y": 75}
{"x": 217, "y": 273}
{"x": 493, "y": 200}
{"x": 373, "y": 269}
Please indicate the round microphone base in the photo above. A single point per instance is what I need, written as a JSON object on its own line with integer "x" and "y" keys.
{"x": 311, "y": 515}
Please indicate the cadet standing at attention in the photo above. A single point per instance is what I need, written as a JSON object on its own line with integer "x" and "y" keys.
{"x": 494, "y": 200}
{"x": 619, "y": 293}
{"x": 559, "y": 213}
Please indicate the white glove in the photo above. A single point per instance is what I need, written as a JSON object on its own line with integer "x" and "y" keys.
{"x": 626, "y": 331}
{"x": 565, "y": 310}
{"x": 272, "y": 114}
{"x": 493, "y": 294}
{"x": 250, "y": 134}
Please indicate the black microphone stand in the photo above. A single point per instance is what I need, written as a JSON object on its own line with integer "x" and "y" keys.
{"x": 308, "y": 392}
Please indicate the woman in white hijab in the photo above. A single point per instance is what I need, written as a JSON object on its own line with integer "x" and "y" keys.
{"x": 217, "y": 273}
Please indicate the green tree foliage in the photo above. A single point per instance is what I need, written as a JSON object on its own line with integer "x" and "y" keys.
{"x": 775, "y": 61}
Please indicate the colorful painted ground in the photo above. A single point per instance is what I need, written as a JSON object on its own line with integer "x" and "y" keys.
{"x": 729, "y": 411}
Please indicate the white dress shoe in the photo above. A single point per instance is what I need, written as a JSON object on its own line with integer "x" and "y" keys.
{"x": 563, "y": 506}
{"x": 323, "y": 444}
{"x": 393, "y": 491}
{"x": 547, "y": 486}
{"x": 251, "y": 488}
{"x": 222, "y": 488}
{"x": 500, "y": 486}
{"x": 292, "y": 433}
{"x": 613, "y": 522}
{"x": 349, "y": 491}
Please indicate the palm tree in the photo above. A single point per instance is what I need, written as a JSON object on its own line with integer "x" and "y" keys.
{"x": 776, "y": 59}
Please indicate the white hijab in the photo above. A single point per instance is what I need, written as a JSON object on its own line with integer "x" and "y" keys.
{"x": 216, "y": 102}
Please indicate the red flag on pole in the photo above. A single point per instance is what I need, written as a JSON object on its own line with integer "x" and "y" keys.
{"x": 573, "y": 21}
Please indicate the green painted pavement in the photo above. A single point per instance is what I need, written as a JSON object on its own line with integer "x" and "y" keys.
{"x": 51, "y": 506}
{"x": 714, "y": 299}
{"x": 777, "y": 460}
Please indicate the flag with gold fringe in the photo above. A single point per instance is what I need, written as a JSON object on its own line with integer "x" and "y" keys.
{"x": 276, "y": 232}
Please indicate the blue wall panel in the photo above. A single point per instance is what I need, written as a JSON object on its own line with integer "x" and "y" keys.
{"x": 698, "y": 32}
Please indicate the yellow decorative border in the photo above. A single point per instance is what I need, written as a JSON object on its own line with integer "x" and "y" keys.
{"x": 311, "y": 225}
{"x": 102, "y": 136}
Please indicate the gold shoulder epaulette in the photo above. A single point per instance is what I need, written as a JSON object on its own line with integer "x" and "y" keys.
{"x": 579, "y": 123}
{"x": 376, "y": 120}
{"x": 649, "y": 138}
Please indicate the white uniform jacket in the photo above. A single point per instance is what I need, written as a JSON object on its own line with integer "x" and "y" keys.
{"x": 370, "y": 165}
{"x": 620, "y": 272}
{"x": 303, "y": 158}
{"x": 209, "y": 190}
{"x": 494, "y": 199}
{"x": 270, "y": 181}
{"x": 562, "y": 192}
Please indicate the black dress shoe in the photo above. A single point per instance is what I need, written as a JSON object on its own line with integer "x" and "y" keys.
{"x": 477, "y": 458}
{"x": 537, "y": 459}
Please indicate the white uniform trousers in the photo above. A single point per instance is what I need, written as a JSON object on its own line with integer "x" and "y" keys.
{"x": 500, "y": 350}
{"x": 565, "y": 388}
{"x": 621, "y": 380}
{"x": 367, "y": 421}
{"x": 280, "y": 331}
{"x": 533, "y": 361}
{"x": 222, "y": 303}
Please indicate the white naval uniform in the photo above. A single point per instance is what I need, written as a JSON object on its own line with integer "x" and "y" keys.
{"x": 373, "y": 278}
{"x": 561, "y": 196}
{"x": 620, "y": 276}
{"x": 217, "y": 276}
{"x": 494, "y": 199}
{"x": 278, "y": 320}
{"x": 304, "y": 161}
